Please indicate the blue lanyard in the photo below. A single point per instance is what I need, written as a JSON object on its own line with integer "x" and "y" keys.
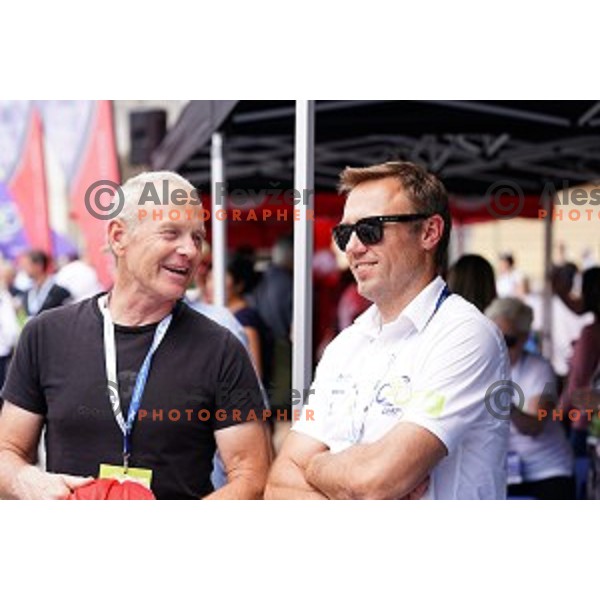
{"x": 441, "y": 299}
{"x": 443, "y": 296}
{"x": 110, "y": 356}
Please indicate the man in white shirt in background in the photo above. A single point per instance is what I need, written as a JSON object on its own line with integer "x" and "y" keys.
{"x": 401, "y": 396}
{"x": 510, "y": 281}
{"x": 79, "y": 279}
{"x": 9, "y": 328}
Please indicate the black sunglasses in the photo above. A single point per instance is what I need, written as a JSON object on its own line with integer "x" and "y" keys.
{"x": 370, "y": 229}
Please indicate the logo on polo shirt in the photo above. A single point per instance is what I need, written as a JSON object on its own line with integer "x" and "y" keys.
{"x": 396, "y": 396}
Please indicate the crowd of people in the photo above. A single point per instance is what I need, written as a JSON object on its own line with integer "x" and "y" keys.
{"x": 404, "y": 358}
{"x": 550, "y": 431}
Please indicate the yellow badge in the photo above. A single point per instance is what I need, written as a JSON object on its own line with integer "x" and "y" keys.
{"x": 141, "y": 476}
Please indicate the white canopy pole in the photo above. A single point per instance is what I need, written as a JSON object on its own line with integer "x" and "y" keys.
{"x": 303, "y": 248}
{"x": 219, "y": 226}
{"x": 547, "y": 297}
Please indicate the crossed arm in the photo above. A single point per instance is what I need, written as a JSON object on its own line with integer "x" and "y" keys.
{"x": 395, "y": 466}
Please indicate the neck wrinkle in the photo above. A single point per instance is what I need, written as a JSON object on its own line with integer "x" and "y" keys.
{"x": 132, "y": 309}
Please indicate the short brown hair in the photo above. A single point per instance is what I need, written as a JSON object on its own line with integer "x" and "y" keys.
{"x": 426, "y": 192}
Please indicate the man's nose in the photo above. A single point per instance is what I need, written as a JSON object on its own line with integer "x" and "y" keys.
{"x": 188, "y": 247}
{"x": 354, "y": 245}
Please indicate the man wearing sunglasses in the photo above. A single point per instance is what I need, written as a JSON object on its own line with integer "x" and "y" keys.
{"x": 399, "y": 397}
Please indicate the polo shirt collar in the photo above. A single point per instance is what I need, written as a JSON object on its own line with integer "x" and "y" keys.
{"x": 415, "y": 316}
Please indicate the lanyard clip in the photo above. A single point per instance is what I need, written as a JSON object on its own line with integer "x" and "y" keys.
{"x": 125, "y": 461}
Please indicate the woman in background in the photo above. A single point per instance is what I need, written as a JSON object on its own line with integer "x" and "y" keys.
{"x": 239, "y": 281}
{"x": 472, "y": 277}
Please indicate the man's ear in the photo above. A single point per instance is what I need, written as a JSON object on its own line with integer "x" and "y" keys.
{"x": 117, "y": 236}
{"x": 432, "y": 232}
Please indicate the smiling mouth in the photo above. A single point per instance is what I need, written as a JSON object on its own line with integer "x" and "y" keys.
{"x": 181, "y": 271}
{"x": 365, "y": 265}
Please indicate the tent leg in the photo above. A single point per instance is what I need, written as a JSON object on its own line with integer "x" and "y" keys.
{"x": 547, "y": 298}
{"x": 303, "y": 248}
{"x": 219, "y": 227}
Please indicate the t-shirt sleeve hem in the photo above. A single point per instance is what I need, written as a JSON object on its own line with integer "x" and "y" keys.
{"x": 7, "y": 398}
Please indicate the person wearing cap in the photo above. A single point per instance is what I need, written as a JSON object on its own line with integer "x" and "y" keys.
{"x": 398, "y": 402}
{"x": 135, "y": 383}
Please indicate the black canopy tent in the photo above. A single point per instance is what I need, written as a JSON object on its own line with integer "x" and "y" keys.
{"x": 471, "y": 145}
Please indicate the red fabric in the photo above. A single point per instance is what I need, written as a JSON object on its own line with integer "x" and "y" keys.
{"x": 28, "y": 188}
{"x": 111, "y": 489}
{"x": 98, "y": 161}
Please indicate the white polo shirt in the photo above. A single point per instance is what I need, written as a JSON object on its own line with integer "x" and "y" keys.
{"x": 429, "y": 367}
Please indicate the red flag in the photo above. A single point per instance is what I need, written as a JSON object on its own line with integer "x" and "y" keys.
{"x": 27, "y": 184}
{"x": 98, "y": 162}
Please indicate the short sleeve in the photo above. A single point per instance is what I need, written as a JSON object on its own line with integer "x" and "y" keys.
{"x": 22, "y": 387}
{"x": 239, "y": 396}
{"x": 451, "y": 392}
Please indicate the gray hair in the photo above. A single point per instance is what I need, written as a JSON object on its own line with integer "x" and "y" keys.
{"x": 134, "y": 188}
{"x": 512, "y": 309}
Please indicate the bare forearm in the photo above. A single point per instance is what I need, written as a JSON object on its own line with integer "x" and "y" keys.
{"x": 526, "y": 424}
{"x": 288, "y": 482}
{"x": 240, "y": 488}
{"x": 356, "y": 473}
{"x": 335, "y": 474}
{"x": 278, "y": 491}
{"x": 12, "y": 467}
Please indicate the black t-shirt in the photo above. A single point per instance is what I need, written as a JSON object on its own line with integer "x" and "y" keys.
{"x": 200, "y": 380}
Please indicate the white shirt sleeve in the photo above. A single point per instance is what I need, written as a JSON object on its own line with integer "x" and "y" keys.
{"x": 451, "y": 391}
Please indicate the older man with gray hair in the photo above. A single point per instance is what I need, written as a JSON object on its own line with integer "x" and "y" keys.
{"x": 540, "y": 461}
{"x": 134, "y": 383}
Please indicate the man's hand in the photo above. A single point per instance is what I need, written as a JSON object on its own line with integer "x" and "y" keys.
{"x": 19, "y": 439}
{"x": 287, "y": 479}
{"x": 33, "y": 484}
{"x": 419, "y": 491}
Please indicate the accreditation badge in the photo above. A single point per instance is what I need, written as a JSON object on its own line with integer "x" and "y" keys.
{"x": 141, "y": 476}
